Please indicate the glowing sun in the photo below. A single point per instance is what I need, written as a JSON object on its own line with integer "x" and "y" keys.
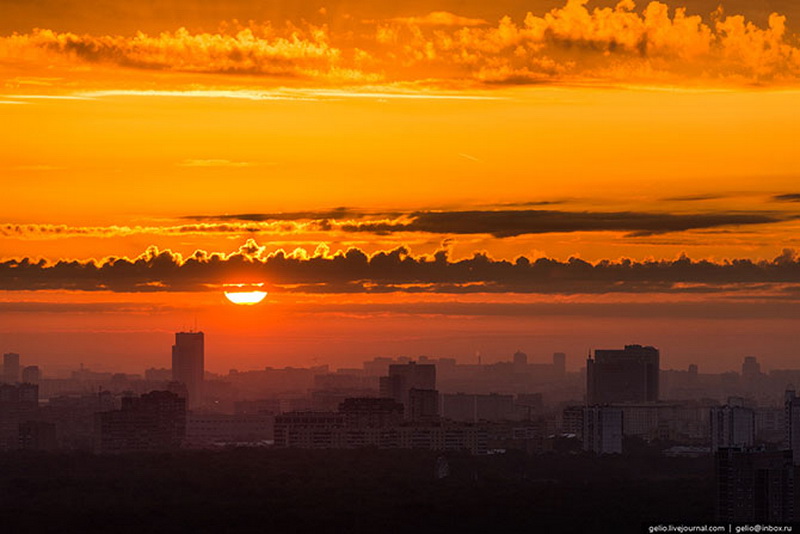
{"x": 246, "y": 294}
{"x": 245, "y": 297}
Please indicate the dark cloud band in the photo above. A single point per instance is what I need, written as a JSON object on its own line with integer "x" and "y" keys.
{"x": 398, "y": 270}
{"x": 510, "y": 223}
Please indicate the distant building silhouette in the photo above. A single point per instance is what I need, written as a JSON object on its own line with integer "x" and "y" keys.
{"x": 628, "y": 375}
{"x": 31, "y": 374}
{"x": 155, "y": 421}
{"x": 423, "y": 405}
{"x": 371, "y": 412}
{"x": 18, "y": 404}
{"x": 751, "y": 371}
{"x": 520, "y": 362}
{"x": 732, "y": 425}
{"x": 37, "y": 436}
{"x": 311, "y": 430}
{"x": 405, "y": 377}
{"x": 602, "y": 429}
{"x": 792, "y": 422}
{"x": 330, "y": 430}
{"x": 211, "y": 430}
{"x": 559, "y": 365}
{"x": 158, "y": 375}
{"x": 188, "y": 364}
{"x": 473, "y": 408}
{"x": 10, "y": 367}
{"x": 754, "y": 486}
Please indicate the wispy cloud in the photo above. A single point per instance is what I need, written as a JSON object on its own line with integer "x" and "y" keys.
{"x": 38, "y": 168}
{"x": 214, "y": 163}
{"x": 440, "y": 18}
{"x": 788, "y": 197}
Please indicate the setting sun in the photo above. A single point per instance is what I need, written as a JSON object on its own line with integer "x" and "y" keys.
{"x": 245, "y": 297}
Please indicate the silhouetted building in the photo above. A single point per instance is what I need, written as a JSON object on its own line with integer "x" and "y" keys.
{"x": 754, "y": 486}
{"x": 31, "y": 374}
{"x": 19, "y": 403}
{"x": 153, "y": 422}
{"x": 473, "y": 408}
{"x": 751, "y": 369}
{"x": 74, "y": 418}
{"x": 10, "y": 367}
{"x": 158, "y": 375}
{"x": 423, "y": 404}
{"x": 602, "y": 430}
{"x": 217, "y": 430}
{"x": 405, "y": 377}
{"x": 310, "y": 430}
{"x": 732, "y": 426}
{"x": 520, "y": 362}
{"x": 321, "y": 430}
{"x": 792, "y": 422}
{"x": 37, "y": 436}
{"x": 628, "y": 375}
{"x": 188, "y": 364}
{"x": 559, "y": 365}
{"x": 371, "y": 412}
{"x": 692, "y": 372}
{"x": 572, "y": 420}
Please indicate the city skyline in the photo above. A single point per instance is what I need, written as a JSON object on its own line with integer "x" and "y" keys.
{"x": 427, "y": 177}
{"x": 412, "y": 266}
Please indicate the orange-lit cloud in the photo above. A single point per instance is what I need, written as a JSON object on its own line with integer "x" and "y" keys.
{"x": 52, "y": 231}
{"x": 652, "y": 43}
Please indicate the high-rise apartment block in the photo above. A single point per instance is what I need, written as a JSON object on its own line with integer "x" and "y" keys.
{"x": 754, "y": 486}
{"x": 628, "y": 375}
{"x": 188, "y": 364}
{"x": 732, "y": 425}
{"x": 602, "y": 430}
{"x": 155, "y": 421}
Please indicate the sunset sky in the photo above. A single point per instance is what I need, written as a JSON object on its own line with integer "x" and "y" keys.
{"x": 444, "y": 177}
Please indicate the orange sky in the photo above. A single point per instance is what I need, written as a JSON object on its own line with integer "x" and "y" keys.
{"x": 550, "y": 130}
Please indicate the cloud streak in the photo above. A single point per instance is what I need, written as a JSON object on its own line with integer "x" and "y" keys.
{"x": 510, "y": 223}
{"x": 397, "y": 270}
{"x": 501, "y": 223}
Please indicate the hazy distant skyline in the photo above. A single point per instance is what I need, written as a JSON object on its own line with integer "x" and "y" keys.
{"x": 423, "y": 177}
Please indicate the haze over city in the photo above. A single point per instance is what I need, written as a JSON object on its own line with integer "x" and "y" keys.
{"x": 524, "y": 239}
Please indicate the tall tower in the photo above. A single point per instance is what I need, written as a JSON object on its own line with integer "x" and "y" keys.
{"x": 10, "y": 367}
{"x": 188, "y": 364}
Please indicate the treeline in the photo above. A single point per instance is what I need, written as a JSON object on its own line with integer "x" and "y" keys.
{"x": 348, "y": 491}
